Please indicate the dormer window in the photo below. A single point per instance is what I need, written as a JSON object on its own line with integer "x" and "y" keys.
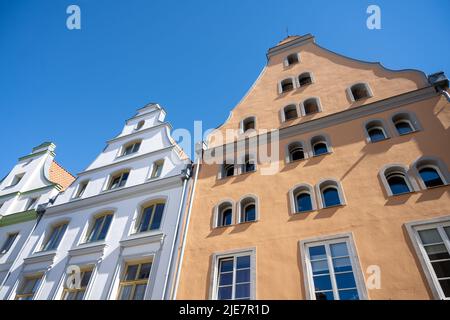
{"x": 17, "y": 179}
{"x": 360, "y": 91}
{"x": 139, "y": 125}
{"x": 304, "y": 79}
{"x": 248, "y": 124}
{"x": 118, "y": 180}
{"x": 130, "y": 148}
{"x": 291, "y": 59}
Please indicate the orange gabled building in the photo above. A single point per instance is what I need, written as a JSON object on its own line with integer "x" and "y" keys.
{"x": 358, "y": 206}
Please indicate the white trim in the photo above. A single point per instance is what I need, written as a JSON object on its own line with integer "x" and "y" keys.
{"x": 301, "y": 188}
{"x": 350, "y": 93}
{"x": 372, "y": 124}
{"x": 329, "y": 183}
{"x": 239, "y": 210}
{"x": 232, "y": 254}
{"x": 280, "y": 87}
{"x": 311, "y": 76}
{"x": 394, "y": 167}
{"x": 217, "y": 212}
{"x": 432, "y": 162}
{"x": 406, "y": 116}
{"x": 287, "y": 153}
{"x": 302, "y": 106}
{"x": 327, "y": 240}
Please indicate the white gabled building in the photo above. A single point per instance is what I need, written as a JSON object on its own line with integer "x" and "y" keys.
{"x": 118, "y": 223}
{"x": 34, "y": 181}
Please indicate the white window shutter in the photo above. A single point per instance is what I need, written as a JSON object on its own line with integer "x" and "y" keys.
{"x": 286, "y": 62}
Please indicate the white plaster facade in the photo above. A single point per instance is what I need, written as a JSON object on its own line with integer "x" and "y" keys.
{"x": 20, "y": 199}
{"x": 123, "y": 244}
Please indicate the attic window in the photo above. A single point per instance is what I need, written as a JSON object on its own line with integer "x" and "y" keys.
{"x": 311, "y": 106}
{"x": 139, "y": 125}
{"x": 248, "y": 124}
{"x": 360, "y": 91}
{"x": 290, "y": 112}
{"x": 130, "y": 148}
{"x": 17, "y": 179}
{"x": 292, "y": 59}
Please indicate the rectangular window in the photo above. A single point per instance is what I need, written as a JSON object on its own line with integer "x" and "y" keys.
{"x": 100, "y": 228}
{"x": 157, "y": 169}
{"x": 55, "y": 237}
{"x": 131, "y": 148}
{"x": 119, "y": 181}
{"x": 433, "y": 241}
{"x": 78, "y": 293}
{"x": 8, "y": 243}
{"x": 81, "y": 189}
{"x": 134, "y": 281}
{"x": 235, "y": 276}
{"x": 28, "y": 287}
{"x": 151, "y": 217}
{"x": 332, "y": 271}
{"x": 31, "y": 203}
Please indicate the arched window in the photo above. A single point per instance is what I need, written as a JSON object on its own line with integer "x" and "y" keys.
{"x": 287, "y": 85}
{"x": 331, "y": 194}
{"x": 290, "y": 112}
{"x": 131, "y": 147}
{"x": 228, "y": 170}
{"x": 118, "y": 180}
{"x": 432, "y": 172}
{"x": 296, "y": 151}
{"x": 248, "y": 210}
{"x": 397, "y": 181}
{"x": 100, "y": 227}
{"x": 249, "y": 164}
{"x": 292, "y": 59}
{"x": 375, "y": 131}
{"x": 139, "y": 125}
{"x": 303, "y": 199}
{"x": 151, "y": 216}
{"x": 360, "y": 91}
{"x": 311, "y": 106}
{"x": 304, "y": 79}
{"x": 430, "y": 177}
{"x": 319, "y": 145}
{"x": 403, "y": 123}
{"x": 248, "y": 124}
{"x": 225, "y": 214}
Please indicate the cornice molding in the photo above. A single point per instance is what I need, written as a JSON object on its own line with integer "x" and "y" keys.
{"x": 18, "y": 217}
{"x": 136, "y": 133}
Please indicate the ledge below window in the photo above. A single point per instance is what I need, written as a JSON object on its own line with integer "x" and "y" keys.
{"x": 88, "y": 248}
{"x": 142, "y": 238}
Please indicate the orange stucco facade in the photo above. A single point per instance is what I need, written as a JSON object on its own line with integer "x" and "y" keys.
{"x": 375, "y": 219}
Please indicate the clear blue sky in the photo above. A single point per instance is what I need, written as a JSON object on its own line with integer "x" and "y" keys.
{"x": 196, "y": 58}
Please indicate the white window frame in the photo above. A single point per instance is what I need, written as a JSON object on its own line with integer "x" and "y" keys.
{"x": 78, "y": 191}
{"x": 306, "y": 153}
{"x": 311, "y": 76}
{"x": 241, "y": 209}
{"x": 350, "y": 93}
{"x": 327, "y": 240}
{"x": 392, "y": 168}
{"x": 302, "y": 106}
{"x": 280, "y": 87}
{"x": 241, "y": 124}
{"x": 301, "y": 188}
{"x": 216, "y": 257}
{"x": 218, "y": 213}
{"x": 286, "y": 62}
{"x": 412, "y": 228}
{"x": 408, "y": 117}
{"x": 332, "y": 183}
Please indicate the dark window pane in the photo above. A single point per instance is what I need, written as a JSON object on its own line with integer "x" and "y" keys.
{"x": 243, "y": 275}
{"x": 249, "y": 167}
{"x": 242, "y": 291}
{"x": 85, "y": 278}
{"x": 250, "y": 213}
{"x": 403, "y": 127}
{"x": 125, "y": 293}
{"x": 345, "y": 280}
{"x": 447, "y": 231}
{"x": 131, "y": 272}
{"x": 398, "y": 185}
{"x": 227, "y": 216}
{"x": 331, "y": 197}
{"x": 304, "y": 80}
{"x": 104, "y": 231}
{"x": 304, "y": 202}
{"x": 317, "y": 252}
{"x": 226, "y": 279}
{"x": 436, "y": 252}
{"x": 225, "y": 293}
{"x": 348, "y": 294}
{"x": 430, "y": 177}
{"x": 376, "y": 135}
{"x": 144, "y": 273}
{"x": 442, "y": 268}
{"x": 310, "y": 107}
{"x": 139, "y": 292}
{"x": 145, "y": 220}
{"x": 324, "y": 295}
{"x": 322, "y": 283}
{"x": 243, "y": 262}
{"x": 445, "y": 286}
{"x": 95, "y": 229}
{"x": 320, "y": 148}
{"x": 226, "y": 265}
{"x": 157, "y": 216}
{"x": 290, "y": 113}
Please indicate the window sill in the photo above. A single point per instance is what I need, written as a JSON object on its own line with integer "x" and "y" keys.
{"x": 246, "y": 222}
{"x": 382, "y": 140}
{"x": 322, "y": 154}
{"x": 41, "y": 256}
{"x": 334, "y": 206}
{"x": 125, "y": 156}
{"x": 402, "y": 194}
{"x": 88, "y": 248}
{"x": 407, "y": 133}
{"x": 436, "y": 187}
{"x": 141, "y": 238}
{"x": 112, "y": 190}
{"x": 303, "y": 212}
